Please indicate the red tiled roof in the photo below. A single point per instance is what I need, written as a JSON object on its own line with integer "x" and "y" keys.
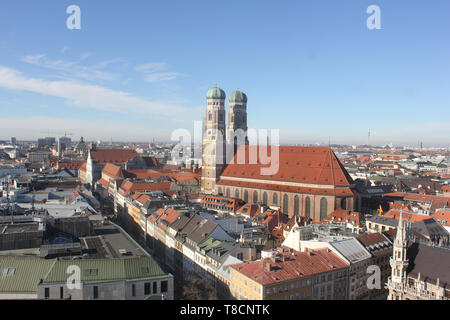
{"x": 395, "y": 214}
{"x": 169, "y": 215}
{"x": 129, "y": 187}
{"x": 113, "y": 155}
{"x": 400, "y": 206}
{"x": 112, "y": 170}
{"x": 104, "y": 183}
{"x": 83, "y": 166}
{"x": 442, "y": 215}
{"x": 249, "y": 209}
{"x": 344, "y": 216}
{"x": 395, "y": 194}
{"x": 293, "y": 265}
{"x": 143, "y": 198}
{"x": 70, "y": 165}
{"x": 309, "y": 165}
{"x": 371, "y": 239}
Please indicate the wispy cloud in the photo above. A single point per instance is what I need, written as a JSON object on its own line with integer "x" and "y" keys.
{"x": 151, "y": 67}
{"x": 65, "y": 49}
{"x": 161, "y": 76}
{"x": 34, "y": 126}
{"x": 72, "y": 69}
{"x": 85, "y": 55}
{"x": 94, "y": 96}
{"x": 154, "y": 72}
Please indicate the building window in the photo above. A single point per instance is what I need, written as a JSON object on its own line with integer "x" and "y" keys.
{"x": 228, "y": 192}
{"x": 308, "y": 207}
{"x": 296, "y": 206}
{"x": 265, "y": 198}
{"x": 155, "y": 287}
{"x": 285, "y": 204}
{"x": 61, "y": 293}
{"x": 323, "y": 208}
{"x": 95, "y": 292}
{"x": 344, "y": 203}
{"x": 275, "y": 199}
{"x": 236, "y": 194}
{"x": 163, "y": 286}
{"x": 209, "y": 116}
{"x": 47, "y": 293}
{"x": 255, "y": 196}
{"x": 147, "y": 288}
{"x": 246, "y": 196}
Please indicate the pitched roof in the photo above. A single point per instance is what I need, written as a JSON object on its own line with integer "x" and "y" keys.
{"x": 305, "y": 165}
{"x": 431, "y": 262}
{"x": 344, "y": 216}
{"x": 413, "y": 217}
{"x": 113, "y": 171}
{"x": 166, "y": 217}
{"x": 290, "y": 264}
{"x": 129, "y": 187}
{"x": 27, "y": 273}
{"x": 113, "y": 155}
{"x": 442, "y": 215}
{"x": 103, "y": 270}
{"x": 249, "y": 209}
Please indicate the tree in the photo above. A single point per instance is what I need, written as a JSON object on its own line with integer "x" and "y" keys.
{"x": 195, "y": 288}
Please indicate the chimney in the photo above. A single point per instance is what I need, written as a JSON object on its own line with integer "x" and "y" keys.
{"x": 267, "y": 266}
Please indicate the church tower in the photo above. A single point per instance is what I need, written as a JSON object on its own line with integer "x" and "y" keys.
{"x": 213, "y": 148}
{"x": 237, "y": 123}
{"x": 398, "y": 262}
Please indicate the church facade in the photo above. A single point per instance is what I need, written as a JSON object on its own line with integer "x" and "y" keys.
{"x": 309, "y": 182}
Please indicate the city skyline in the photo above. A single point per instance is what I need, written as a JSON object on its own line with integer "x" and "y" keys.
{"x": 138, "y": 73}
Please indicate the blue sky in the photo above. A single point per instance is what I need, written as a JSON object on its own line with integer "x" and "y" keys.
{"x": 137, "y": 70}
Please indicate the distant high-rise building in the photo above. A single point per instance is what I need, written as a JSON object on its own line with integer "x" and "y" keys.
{"x": 64, "y": 143}
{"x": 46, "y": 142}
{"x": 13, "y": 141}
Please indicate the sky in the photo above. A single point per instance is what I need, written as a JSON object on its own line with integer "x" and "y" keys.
{"x": 137, "y": 70}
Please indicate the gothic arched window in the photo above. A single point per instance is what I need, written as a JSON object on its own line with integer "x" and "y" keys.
{"x": 220, "y": 191}
{"x": 265, "y": 198}
{"x": 285, "y": 204}
{"x": 236, "y": 194}
{"x": 246, "y": 196}
{"x": 344, "y": 203}
{"x": 296, "y": 206}
{"x": 308, "y": 207}
{"x": 323, "y": 208}
{"x": 255, "y": 196}
{"x": 209, "y": 116}
{"x": 228, "y": 192}
{"x": 275, "y": 199}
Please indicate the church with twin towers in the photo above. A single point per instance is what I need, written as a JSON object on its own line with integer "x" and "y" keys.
{"x": 309, "y": 181}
